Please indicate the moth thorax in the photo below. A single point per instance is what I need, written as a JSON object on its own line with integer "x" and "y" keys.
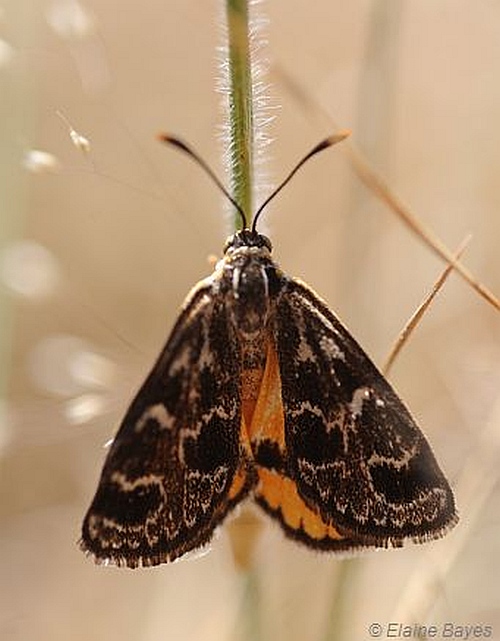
{"x": 250, "y": 298}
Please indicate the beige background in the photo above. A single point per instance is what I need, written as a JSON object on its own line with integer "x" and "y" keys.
{"x": 131, "y": 225}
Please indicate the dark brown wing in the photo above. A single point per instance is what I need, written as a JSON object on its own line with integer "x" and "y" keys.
{"x": 353, "y": 452}
{"x": 176, "y": 467}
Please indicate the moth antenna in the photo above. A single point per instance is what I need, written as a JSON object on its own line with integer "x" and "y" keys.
{"x": 324, "y": 144}
{"x": 180, "y": 144}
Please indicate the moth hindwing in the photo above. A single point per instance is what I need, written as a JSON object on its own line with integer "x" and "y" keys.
{"x": 261, "y": 391}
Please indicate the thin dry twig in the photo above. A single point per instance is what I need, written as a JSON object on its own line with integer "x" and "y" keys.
{"x": 417, "y": 316}
{"x": 377, "y": 185}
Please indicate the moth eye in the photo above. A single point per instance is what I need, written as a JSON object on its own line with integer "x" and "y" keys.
{"x": 267, "y": 243}
{"x": 229, "y": 243}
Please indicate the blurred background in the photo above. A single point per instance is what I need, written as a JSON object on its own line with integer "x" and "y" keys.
{"x": 104, "y": 231}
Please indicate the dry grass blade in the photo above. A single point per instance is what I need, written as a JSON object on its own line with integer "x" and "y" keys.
{"x": 382, "y": 191}
{"x": 375, "y": 183}
{"x": 420, "y": 311}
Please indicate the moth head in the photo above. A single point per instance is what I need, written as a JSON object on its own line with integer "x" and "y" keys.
{"x": 247, "y": 238}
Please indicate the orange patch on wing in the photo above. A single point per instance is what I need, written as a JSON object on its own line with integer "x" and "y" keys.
{"x": 241, "y": 476}
{"x": 238, "y": 483}
{"x": 280, "y": 493}
{"x": 267, "y": 420}
{"x": 263, "y": 419}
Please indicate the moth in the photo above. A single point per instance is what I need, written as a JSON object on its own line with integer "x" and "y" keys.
{"x": 261, "y": 391}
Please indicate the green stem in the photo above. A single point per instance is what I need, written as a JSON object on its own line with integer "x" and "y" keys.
{"x": 241, "y": 138}
{"x": 338, "y": 622}
{"x": 250, "y": 622}
{"x": 240, "y": 106}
